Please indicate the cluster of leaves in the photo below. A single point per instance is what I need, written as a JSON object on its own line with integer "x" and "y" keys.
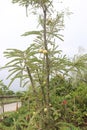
{"x": 4, "y": 90}
{"x": 68, "y": 109}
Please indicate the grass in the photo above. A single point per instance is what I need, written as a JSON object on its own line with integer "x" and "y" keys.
{"x": 7, "y": 101}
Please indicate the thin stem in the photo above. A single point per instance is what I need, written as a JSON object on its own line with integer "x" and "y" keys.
{"x": 31, "y": 79}
{"x": 42, "y": 87}
{"x": 47, "y": 58}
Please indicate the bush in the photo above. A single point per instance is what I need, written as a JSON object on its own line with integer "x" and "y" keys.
{"x": 8, "y": 121}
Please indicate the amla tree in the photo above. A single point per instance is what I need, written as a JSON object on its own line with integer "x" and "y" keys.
{"x": 41, "y": 60}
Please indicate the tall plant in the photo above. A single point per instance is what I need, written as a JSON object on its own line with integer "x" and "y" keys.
{"x": 41, "y": 60}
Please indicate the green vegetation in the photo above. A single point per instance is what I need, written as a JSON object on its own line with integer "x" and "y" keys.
{"x": 56, "y": 98}
{"x": 7, "y": 95}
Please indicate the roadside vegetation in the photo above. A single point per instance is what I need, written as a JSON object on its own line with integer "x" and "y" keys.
{"x": 56, "y": 96}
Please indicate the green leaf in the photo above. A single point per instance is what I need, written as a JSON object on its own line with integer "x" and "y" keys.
{"x": 31, "y": 33}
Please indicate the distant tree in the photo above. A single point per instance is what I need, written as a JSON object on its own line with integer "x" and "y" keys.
{"x": 3, "y": 88}
{"x": 19, "y": 94}
{"x": 78, "y": 69}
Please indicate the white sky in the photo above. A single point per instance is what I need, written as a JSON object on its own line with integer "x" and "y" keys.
{"x": 76, "y": 27}
{"x": 13, "y": 23}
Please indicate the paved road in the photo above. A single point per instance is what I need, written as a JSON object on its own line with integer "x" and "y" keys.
{"x": 10, "y": 107}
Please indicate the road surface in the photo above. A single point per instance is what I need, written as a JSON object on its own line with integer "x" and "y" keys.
{"x": 10, "y": 107}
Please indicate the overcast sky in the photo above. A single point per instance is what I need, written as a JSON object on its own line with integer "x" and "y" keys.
{"x": 76, "y": 27}
{"x": 13, "y": 23}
